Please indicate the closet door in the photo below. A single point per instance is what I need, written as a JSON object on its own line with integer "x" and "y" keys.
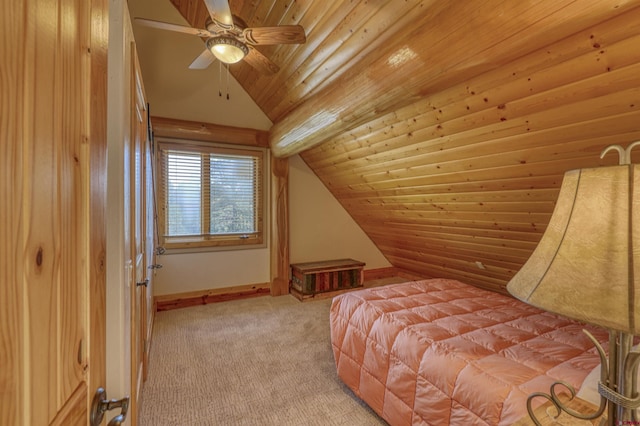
{"x": 138, "y": 225}
{"x": 150, "y": 242}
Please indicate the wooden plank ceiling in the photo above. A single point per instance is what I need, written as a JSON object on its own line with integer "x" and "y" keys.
{"x": 444, "y": 127}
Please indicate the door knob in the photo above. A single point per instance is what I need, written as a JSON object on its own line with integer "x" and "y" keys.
{"x": 101, "y": 404}
{"x": 144, "y": 283}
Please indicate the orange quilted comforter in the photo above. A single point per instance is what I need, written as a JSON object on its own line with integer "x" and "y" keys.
{"x": 440, "y": 352}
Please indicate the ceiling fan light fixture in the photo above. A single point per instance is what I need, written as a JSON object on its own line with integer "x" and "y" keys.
{"x": 227, "y": 49}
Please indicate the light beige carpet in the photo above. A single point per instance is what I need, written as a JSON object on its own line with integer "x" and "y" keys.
{"x": 260, "y": 361}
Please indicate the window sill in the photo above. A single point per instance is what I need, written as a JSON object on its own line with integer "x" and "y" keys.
{"x": 197, "y": 245}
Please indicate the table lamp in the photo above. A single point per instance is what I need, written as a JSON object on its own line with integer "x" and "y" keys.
{"x": 587, "y": 267}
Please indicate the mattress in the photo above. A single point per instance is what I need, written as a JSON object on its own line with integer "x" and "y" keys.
{"x": 439, "y": 352}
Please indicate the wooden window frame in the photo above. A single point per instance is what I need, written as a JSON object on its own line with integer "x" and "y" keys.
{"x": 210, "y": 242}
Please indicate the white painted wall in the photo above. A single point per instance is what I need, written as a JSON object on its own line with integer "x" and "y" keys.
{"x": 167, "y": 54}
{"x": 196, "y": 99}
{"x": 321, "y": 229}
{"x": 186, "y": 272}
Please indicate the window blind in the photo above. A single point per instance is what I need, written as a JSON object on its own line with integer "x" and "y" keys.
{"x": 209, "y": 192}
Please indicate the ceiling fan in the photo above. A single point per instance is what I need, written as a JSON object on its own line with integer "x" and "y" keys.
{"x": 229, "y": 40}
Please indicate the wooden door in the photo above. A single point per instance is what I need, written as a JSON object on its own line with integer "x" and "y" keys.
{"x": 138, "y": 224}
{"x": 52, "y": 209}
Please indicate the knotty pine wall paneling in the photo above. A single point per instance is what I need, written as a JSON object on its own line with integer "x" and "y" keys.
{"x": 471, "y": 173}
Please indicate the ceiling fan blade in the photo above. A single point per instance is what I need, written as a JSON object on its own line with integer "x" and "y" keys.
{"x": 284, "y": 34}
{"x": 173, "y": 27}
{"x": 260, "y": 62}
{"x": 220, "y": 12}
{"x": 202, "y": 61}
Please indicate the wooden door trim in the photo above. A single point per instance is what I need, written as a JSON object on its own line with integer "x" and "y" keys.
{"x": 98, "y": 197}
{"x": 279, "y": 247}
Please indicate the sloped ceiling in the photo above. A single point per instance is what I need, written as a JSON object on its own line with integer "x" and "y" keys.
{"x": 444, "y": 127}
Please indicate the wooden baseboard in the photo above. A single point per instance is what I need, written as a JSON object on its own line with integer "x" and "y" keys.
{"x": 204, "y": 297}
{"x": 376, "y": 274}
{"x": 410, "y": 276}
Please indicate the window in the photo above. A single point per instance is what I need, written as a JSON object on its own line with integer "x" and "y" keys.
{"x": 210, "y": 196}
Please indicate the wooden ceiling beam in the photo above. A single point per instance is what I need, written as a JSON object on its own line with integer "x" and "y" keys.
{"x": 193, "y": 130}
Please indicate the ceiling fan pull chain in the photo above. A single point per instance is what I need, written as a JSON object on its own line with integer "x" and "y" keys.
{"x": 219, "y": 78}
{"x": 227, "y": 81}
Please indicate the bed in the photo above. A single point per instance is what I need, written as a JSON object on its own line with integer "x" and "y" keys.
{"x": 439, "y": 352}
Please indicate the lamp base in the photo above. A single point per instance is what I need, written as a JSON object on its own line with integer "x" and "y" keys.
{"x": 617, "y": 387}
{"x": 547, "y": 414}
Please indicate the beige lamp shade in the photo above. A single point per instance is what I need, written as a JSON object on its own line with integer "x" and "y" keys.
{"x": 587, "y": 264}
